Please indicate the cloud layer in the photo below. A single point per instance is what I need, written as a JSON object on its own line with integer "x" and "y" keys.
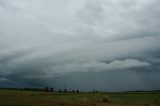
{"x": 43, "y": 40}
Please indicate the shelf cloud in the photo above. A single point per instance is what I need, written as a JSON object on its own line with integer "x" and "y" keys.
{"x": 42, "y": 41}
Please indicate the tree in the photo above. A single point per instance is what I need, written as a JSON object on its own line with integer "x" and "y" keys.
{"x": 65, "y": 90}
{"x": 73, "y": 91}
{"x": 51, "y": 89}
{"x": 46, "y": 89}
{"x": 60, "y": 91}
{"x": 77, "y": 91}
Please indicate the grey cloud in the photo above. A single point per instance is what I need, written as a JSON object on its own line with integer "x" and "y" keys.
{"x": 99, "y": 66}
{"x": 46, "y": 40}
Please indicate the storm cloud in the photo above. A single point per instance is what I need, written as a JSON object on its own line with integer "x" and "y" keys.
{"x": 81, "y": 41}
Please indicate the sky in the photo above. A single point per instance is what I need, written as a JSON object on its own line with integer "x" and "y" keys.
{"x": 110, "y": 45}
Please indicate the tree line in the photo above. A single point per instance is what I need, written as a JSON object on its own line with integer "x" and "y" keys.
{"x": 51, "y": 89}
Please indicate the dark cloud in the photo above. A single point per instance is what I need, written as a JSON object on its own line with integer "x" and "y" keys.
{"x": 108, "y": 45}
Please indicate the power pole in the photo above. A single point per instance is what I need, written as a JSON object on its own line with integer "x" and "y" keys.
{"x": 65, "y": 85}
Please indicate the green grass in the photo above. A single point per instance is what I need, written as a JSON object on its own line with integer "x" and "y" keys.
{"x": 138, "y": 99}
{"x": 32, "y": 98}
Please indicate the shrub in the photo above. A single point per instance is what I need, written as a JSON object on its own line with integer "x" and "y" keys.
{"x": 106, "y": 99}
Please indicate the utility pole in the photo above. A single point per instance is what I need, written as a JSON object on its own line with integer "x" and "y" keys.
{"x": 65, "y": 85}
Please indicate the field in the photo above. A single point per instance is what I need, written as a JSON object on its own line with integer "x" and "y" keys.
{"x": 34, "y": 98}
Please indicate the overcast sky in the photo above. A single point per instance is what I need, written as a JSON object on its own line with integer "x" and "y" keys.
{"x": 90, "y": 44}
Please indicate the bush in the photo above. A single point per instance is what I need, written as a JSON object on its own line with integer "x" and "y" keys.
{"x": 106, "y": 99}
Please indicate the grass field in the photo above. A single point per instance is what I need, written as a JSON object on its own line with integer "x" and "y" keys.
{"x": 32, "y": 98}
